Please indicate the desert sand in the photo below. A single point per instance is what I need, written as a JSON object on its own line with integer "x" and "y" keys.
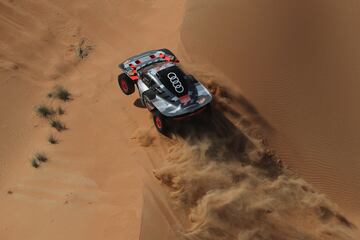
{"x": 112, "y": 176}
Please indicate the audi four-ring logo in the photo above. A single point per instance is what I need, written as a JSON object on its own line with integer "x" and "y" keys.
{"x": 175, "y": 82}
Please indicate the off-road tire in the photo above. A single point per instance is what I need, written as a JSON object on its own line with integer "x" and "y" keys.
{"x": 161, "y": 123}
{"x": 126, "y": 84}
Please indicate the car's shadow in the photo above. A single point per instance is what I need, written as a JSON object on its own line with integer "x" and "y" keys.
{"x": 138, "y": 103}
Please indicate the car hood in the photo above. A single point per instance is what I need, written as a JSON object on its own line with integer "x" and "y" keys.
{"x": 173, "y": 78}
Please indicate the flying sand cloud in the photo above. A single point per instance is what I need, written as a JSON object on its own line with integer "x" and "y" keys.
{"x": 232, "y": 187}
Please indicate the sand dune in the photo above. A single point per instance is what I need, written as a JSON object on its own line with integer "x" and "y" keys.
{"x": 98, "y": 182}
{"x": 297, "y": 63}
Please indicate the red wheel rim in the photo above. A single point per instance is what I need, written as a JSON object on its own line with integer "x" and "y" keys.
{"x": 124, "y": 85}
{"x": 158, "y": 122}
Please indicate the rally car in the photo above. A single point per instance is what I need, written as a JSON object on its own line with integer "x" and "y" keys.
{"x": 166, "y": 91}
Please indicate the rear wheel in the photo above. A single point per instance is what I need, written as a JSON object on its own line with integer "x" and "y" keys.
{"x": 126, "y": 84}
{"x": 160, "y": 123}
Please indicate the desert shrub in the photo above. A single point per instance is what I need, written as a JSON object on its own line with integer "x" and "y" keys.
{"x": 57, "y": 124}
{"x": 35, "y": 163}
{"x": 38, "y": 159}
{"x": 61, "y": 93}
{"x": 60, "y": 111}
{"x": 83, "y": 49}
{"x": 44, "y": 111}
{"x": 41, "y": 157}
{"x": 52, "y": 139}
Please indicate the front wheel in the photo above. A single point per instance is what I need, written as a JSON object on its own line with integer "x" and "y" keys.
{"x": 160, "y": 123}
{"x": 126, "y": 84}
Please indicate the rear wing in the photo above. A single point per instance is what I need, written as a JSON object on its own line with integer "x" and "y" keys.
{"x": 136, "y": 63}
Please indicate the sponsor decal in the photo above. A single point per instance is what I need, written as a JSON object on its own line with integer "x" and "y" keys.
{"x": 179, "y": 88}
